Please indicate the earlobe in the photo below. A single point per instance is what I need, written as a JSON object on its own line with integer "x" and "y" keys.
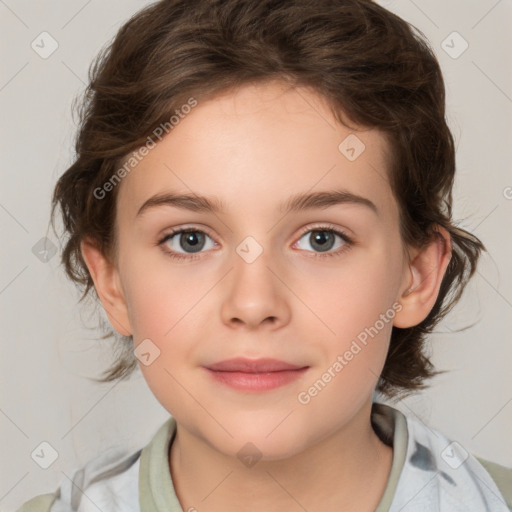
{"x": 426, "y": 275}
{"x": 108, "y": 286}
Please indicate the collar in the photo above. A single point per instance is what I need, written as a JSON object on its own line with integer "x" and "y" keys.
{"x": 156, "y": 489}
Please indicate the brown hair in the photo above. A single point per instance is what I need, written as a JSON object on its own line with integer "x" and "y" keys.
{"x": 369, "y": 65}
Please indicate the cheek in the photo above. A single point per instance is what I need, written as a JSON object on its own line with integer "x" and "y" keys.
{"x": 353, "y": 357}
{"x": 356, "y": 305}
{"x": 161, "y": 296}
{"x": 351, "y": 296}
{"x": 166, "y": 307}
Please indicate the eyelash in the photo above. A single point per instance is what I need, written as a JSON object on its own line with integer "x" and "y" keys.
{"x": 178, "y": 256}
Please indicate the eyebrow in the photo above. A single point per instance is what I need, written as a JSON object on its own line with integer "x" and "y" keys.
{"x": 296, "y": 203}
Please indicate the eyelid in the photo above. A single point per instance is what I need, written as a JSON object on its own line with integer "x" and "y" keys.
{"x": 183, "y": 229}
{"x": 325, "y": 226}
{"x": 305, "y": 229}
{"x": 186, "y": 227}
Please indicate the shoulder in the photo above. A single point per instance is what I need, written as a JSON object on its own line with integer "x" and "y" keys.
{"x": 462, "y": 477}
{"x": 40, "y": 503}
{"x": 437, "y": 469}
{"x": 109, "y": 482}
{"x": 502, "y": 477}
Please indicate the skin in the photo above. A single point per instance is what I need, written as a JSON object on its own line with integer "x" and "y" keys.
{"x": 254, "y": 148}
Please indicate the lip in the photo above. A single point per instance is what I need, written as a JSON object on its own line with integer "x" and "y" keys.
{"x": 242, "y": 364}
{"x": 254, "y": 374}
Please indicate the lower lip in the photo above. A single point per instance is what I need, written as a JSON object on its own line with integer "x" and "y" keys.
{"x": 256, "y": 381}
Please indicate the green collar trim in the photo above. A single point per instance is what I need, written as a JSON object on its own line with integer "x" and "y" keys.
{"x": 156, "y": 489}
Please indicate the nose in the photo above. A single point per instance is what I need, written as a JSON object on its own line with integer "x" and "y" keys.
{"x": 256, "y": 294}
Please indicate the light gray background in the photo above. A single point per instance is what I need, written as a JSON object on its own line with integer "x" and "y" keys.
{"x": 46, "y": 349}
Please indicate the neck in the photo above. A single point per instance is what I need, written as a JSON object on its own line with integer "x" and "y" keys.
{"x": 348, "y": 470}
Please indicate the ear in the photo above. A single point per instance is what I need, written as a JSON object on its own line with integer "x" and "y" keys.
{"x": 108, "y": 287}
{"x": 420, "y": 291}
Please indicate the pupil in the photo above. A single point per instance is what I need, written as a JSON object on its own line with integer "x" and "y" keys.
{"x": 193, "y": 240}
{"x": 320, "y": 239}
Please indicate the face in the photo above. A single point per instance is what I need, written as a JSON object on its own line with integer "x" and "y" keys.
{"x": 316, "y": 286}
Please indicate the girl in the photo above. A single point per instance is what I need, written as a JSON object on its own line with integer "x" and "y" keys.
{"x": 261, "y": 201}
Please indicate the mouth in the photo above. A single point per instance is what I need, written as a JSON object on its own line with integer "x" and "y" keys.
{"x": 254, "y": 374}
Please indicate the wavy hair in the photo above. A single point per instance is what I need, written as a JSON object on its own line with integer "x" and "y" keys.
{"x": 373, "y": 68}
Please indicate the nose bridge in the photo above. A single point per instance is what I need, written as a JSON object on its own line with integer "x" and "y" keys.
{"x": 255, "y": 292}
{"x": 252, "y": 262}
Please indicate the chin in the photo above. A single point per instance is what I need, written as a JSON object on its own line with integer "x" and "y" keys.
{"x": 267, "y": 440}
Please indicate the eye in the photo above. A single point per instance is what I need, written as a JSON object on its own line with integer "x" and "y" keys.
{"x": 189, "y": 239}
{"x": 193, "y": 240}
{"x": 322, "y": 238}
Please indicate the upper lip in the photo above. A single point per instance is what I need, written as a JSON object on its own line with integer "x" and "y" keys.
{"x": 242, "y": 364}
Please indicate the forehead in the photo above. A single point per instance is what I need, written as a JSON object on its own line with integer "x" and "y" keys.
{"x": 257, "y": 146}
